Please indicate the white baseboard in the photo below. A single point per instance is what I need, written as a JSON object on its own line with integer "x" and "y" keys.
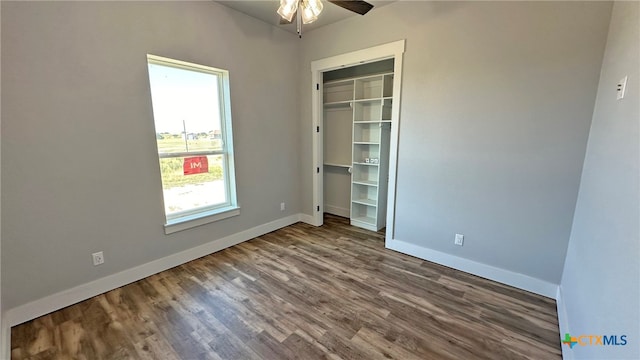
{"x": 307, "y": 219}
{"x": 507, "y": 277}
{"x": 336, "y": 210}
{"x": 82, "y": 292}
{"x": 563, "y": 323}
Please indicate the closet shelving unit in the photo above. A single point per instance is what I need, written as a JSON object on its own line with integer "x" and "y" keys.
{"x": 366, "y": 101}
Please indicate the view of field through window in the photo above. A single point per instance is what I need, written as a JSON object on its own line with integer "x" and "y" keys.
{"x": 186, "y": 110}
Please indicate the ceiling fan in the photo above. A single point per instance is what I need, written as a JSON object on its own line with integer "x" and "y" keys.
{"x": 307, "y": 11}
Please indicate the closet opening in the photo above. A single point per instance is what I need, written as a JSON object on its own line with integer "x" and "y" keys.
{"x": 357, "y": 103}
{"x": 356, "y": 112}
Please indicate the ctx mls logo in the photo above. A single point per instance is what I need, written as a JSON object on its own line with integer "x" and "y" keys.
{"x": 594, "y": 340}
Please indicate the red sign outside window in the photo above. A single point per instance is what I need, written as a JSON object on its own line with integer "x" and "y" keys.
{"x": 196, "y": 165}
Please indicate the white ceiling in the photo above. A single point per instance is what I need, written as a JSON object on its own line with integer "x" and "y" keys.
{"x": 265, "y": 10}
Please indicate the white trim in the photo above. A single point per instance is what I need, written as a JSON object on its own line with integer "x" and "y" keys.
{"x": 386, "y": 51}
{"x": 336, "y": 210}
{"x": 393, "y": 147}
{"x": 185, "y": 65}
{"x": 82, "y": 292}
{"x": 193, "y": 217}
{"x": 198, "y": 219}
{"x": 504, "y": 276}
{"x": 371, "y": 54}
{"x": 308, "y": 219}
{"x": 317, "y": 151}
{"x": 563, "y": 323}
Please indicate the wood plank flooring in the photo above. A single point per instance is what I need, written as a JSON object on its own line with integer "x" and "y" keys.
{"x": 332, "y": 292}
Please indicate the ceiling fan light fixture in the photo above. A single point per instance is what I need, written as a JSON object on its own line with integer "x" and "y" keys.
{"x": 310, "y": 10}
{"x": 287, "y": 9}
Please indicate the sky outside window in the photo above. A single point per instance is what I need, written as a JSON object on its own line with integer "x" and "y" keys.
{"x": 184, "y": 95}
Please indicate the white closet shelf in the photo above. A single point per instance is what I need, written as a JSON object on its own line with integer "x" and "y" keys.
{"x": 365, "y": 219}
{"x": 366, "y": 182}
{"x": 338, "y": 104}
{"x": 349, "y": 80}
{"x": 337, "y": 165}
{"x": 369, "y": 202}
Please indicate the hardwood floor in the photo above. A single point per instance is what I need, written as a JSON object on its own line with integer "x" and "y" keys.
{"x": 301, "y": 293}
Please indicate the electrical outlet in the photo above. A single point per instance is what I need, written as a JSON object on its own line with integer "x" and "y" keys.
{"x": 459, "y": 239}
{"x": 621, "y": 88}
{"x": 98, "y": 258}
{"x": 282, "y": 206}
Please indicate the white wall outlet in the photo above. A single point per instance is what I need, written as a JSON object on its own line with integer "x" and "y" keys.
{"x": 98, "y": 258}
{"x": 621, "y": 88}
{"x": 282, "y": 206}
{"x": 459, "y": 239}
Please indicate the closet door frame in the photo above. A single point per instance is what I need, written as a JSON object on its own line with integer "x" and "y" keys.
{"x": 393, "y": 50}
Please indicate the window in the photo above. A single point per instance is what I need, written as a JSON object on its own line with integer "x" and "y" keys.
{"x": 192, "y": 116}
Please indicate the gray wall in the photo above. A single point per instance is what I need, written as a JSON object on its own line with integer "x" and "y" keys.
{"x": 80, "y": 168}
{"x": 497, "y": 99}
{"x": 600, "y": 283}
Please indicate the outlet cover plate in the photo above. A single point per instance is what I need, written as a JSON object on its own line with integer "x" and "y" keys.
{"x": 621, "y": 88}
{"x": 98, "y": 258}
{"x": 459, "y": 239}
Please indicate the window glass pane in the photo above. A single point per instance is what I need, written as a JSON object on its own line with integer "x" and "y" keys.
{"x": 186, "y": 109}
{"x": 193, "y": 182}
{"x": 176, "y": 143}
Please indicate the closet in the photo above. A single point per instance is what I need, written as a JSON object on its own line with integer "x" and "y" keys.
{"x": 357, "y": 103}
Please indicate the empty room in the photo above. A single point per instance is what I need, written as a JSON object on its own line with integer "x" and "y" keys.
{"x": 306, "y": 179}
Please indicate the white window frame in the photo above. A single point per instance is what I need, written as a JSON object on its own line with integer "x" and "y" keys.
{"x": 203, "y": 215}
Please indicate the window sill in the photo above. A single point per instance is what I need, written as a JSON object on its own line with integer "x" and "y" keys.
{"x": 192, "y": 221}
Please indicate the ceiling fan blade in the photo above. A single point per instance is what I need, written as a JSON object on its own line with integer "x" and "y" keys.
{"x": 359, "y": 7}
